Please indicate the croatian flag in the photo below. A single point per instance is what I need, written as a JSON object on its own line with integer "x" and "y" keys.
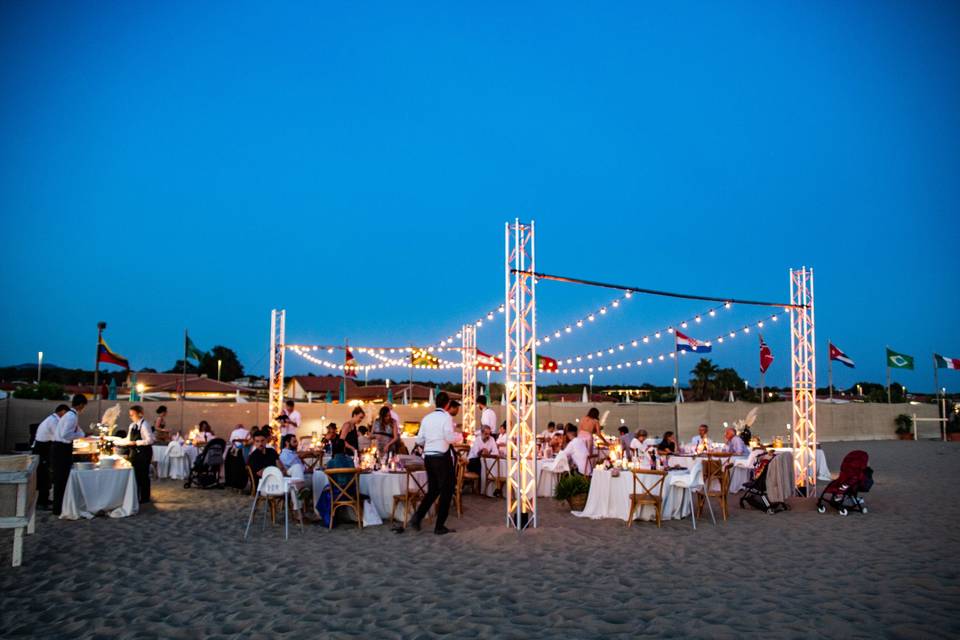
{"x": 686, "y": 343}
{"x": 840, "y": 356}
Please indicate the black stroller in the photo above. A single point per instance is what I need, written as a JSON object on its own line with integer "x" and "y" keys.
{"x": 208, "y": 465}
{"x": 855, "y": 478}
{"x": 755, "y": 490}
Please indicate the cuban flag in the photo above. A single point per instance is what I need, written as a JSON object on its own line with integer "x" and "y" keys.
{"x": 686, "y": 343}
{"x": 840, "y": 356}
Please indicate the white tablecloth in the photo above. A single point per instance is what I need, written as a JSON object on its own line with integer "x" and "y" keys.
{"x": 409, "y": 442}
{"x": 546, "y": 478}
{"x": 380, "y": 486}
{"x": 740, "y": 473}
{"x": 162, "y": 460}
{"x": 823, "y": 471}
{"x": 609, "y": 497}
{"x": 91, "y": 491}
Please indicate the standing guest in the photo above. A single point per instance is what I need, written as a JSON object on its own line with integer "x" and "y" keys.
{"x": 436, "y": 435}
{"x": 204, "y": 434}
{"x": 483, "y": 445}
{"x": 46, "y": 433}
{"x": 454, "y": 408}
{"x": 61, "y": 449}
{"x": 386, "y": 431}
{"x": 701, "y": 441}
{"x": 668, "y": 443}
{"x": 488, "y": 417}
{"x": 734, "y": 444}
{"x": 576, "y": 450}
{"x": 625, "y": 439}
{"x": 261, "y": 456}
{"x": 590, "y": 425}
{"x": 239, "y": 435}
{"x": 160, "y": 432}
{"x": 348, "y": 431}
{"x": 139, "y": 448}
{"x": 292, "y": 423}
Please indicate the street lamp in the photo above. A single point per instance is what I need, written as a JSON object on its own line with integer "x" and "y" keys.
{"x": 859, "y": 390}
{"x": 219, "y": 364}
{"x": 39, "y": 365}
{"x": 140, "y": 389}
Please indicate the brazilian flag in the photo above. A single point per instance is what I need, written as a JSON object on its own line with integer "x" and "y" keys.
{"x": 192, "y": 351}
{"x": 899, "y": 360}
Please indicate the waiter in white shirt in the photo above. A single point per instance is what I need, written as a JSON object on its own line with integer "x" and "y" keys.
{"x": 61, "y": 449}
{"x": 46, "y": 433}
{"x": 488, "y": 417}
{"x": 436, "y": 435}
{"x": 139, "y": 446}
{"x": 292, "y": 423}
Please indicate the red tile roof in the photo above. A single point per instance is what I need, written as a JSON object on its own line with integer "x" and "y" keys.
{"x": 322, "y": 384}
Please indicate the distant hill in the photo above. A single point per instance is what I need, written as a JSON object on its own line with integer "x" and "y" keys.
{"x": 31, "y": 365}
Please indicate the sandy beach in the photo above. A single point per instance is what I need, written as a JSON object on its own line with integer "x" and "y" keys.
{"x": 179, "y": 570}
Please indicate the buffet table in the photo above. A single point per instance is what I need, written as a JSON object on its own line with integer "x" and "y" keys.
{"x": 609, "y": 497}
{"x": 91, "y": 491}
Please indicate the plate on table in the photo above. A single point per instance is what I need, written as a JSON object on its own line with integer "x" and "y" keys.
{"x": 83, "y": 466}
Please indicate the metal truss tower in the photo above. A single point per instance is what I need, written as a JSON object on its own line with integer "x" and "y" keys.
{"x": 277, "y": 350}
{"x": 803, "y": 368}
{"x": 469, "y": 388}
{"x": 520, "y": 365}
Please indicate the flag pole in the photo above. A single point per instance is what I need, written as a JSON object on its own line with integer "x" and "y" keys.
{"x": 936, "y": 397}
{"x": 183, "y": 379}
{"x": 676, "y": 387}
{"x": 889, "y": 401}
{"x": 829, "y": 370}
{"x": 96, "y": 369}
{"x": 763, "y": 376}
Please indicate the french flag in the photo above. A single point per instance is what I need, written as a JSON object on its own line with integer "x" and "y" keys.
{"x": 686, "y": 343}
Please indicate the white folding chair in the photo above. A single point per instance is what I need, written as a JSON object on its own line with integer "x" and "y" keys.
{"x": 272, "y": 487}
{"x": 178, "y": 466}
{"x": 690, "y": 482}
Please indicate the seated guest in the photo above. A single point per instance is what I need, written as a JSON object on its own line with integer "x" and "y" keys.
{"x": 236, "y": 458}
{"x": 485, "y": 445}
{"x": 261, "y": 456}
{"x": 363, "y": 438}
{"x": 576, "y": 450}
{"x": 551, "y": 427}
{"x": 203, "y": 435}
{"x": 701, "y": 441}
{"x": 668, "y": 443}
{"x": 332, "y": 434}
{"x": 639, "y": 442}
{"x": 557, "y": 442}
{"x": 339, "y": 460}
{"x": 502, "y": 437}
{"x": 625, "y": 439}
{"x": 288, "y": 454}
{"x": 735, "y": 444}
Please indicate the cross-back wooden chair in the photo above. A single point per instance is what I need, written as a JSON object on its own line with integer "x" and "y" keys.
{"x": 650, "y": 484}
{"x": 346, "y": 493}
{"x": 716, "y": 481}
{"x": 491, "y": 468}
{"x": 414, "y": 491}
{"x": 464, "y": 477}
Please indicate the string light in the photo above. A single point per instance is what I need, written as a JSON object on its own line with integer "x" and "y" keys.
{"x": 556, "y": 334}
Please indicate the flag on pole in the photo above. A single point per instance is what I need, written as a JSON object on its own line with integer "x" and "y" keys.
{"x": 546, "y": 364}
{"x": 192, "y": 351}
{"x": 766, "y": 356}
{"x": 946, "y": 363}
{"x": 686, "y": 343}
{"x": 487, "y": 362}
{"x": 422, "y": 358}
{"x": 104, "y": 354}
{"x": 840, "y": 356}
{"x": 350, "y": 364}
{"x": 899, "y": 360}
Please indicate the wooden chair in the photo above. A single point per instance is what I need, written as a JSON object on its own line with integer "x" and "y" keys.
{"x": 414, "y": 492}
{"x": 251, "y": 480}
{"x": 345, "y": 494}
{"x": 716, "y": 482}
{"x": 650, "y": 482}
{"x": 491, "y": 467}
{"x": 464, "y": 477}
{"x": 311, "y": 459}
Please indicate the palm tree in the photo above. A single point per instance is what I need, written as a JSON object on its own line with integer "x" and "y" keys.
{"x": 704, "y": 374}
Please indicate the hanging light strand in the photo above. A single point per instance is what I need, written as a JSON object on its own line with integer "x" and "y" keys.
{"x": 585, "y": 321}
{"x": 667, "y": 355}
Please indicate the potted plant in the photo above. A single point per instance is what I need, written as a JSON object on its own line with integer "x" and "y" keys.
{"x": 904, "y": 426}
{"x": 573, "y": 488}
{"x": 953, "y": 430}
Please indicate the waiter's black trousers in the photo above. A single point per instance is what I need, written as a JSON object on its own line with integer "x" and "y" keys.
{"x": 42, "y": 451}
{"x": 141, "y": 459}
{"x": 440, "y": 478}
{"x": 61, "y": 460}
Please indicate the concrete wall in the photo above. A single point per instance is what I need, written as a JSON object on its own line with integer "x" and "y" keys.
{"x": 835, "y": 421}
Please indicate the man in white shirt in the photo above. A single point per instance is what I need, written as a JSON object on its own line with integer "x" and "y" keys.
{"x": 292, "y": 422}
{"x": 41, "y": 448}
{"x": 488, "y": 417}
{"x": 485, "y": 444}
{"x": 735, "y": 443}
{"x": 139, "y": 446}
{"x": 701, "y": 441}
{"x": 239, "y": 434}
{"x": 61, "y": 449}
{"x": 436, "y": 435}
{"x": 576, "y": 450}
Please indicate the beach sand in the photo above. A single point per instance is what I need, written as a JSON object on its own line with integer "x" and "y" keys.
{"x": 180, "y": 570}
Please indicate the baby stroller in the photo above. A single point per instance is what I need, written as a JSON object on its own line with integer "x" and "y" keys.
{"x": 855, "y": 477}
{"x": 206, "y": 469}
{"x": 755, "y": 490}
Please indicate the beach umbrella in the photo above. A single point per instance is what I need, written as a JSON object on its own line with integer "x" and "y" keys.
{"x": 503, "y": 399}
{"x": 390, "y": 396}
{"x": 406, "y": 400}
{"x": 112, "y": 393}
{"x": 343, "y": 392}
{"x": 430, "y": 400}
{"x": 329, "y": 396}
{"x": 585, "y": 397}
{"x": 133, "y": 387}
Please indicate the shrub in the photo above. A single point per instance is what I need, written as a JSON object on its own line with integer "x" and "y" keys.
{"x": 571, "y": 485}
{"x": 42, "y": 391}
{"x": 904, "y": 424}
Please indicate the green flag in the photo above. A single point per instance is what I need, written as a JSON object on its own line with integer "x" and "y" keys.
{"x": 899, "y": 360}
{"x": 193, "y": 352}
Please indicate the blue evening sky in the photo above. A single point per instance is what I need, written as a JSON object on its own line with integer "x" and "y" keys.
{"x": 171, "y": 165}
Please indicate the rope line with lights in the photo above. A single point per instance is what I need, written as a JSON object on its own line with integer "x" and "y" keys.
{"x": 586, "y": 320}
